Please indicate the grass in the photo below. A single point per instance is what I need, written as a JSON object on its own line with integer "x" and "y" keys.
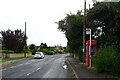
{"x": 3, "y": 60}
{"x": 92, "y": 69}
{"x": 14, "y": 58}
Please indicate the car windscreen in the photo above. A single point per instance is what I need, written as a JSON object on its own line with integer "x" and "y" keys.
{"x": 37, "y": 53}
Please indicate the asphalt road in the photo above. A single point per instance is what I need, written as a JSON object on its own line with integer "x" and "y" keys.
{"x": 50, "y": 67}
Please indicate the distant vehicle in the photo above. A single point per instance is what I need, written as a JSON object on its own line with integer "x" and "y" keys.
{"x": 39, "y": 55}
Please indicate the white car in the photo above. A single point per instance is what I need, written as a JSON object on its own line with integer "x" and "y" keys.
{"x": 39, "y": 55}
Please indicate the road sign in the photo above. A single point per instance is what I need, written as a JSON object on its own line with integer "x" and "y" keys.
{"x": 87, "y": 30}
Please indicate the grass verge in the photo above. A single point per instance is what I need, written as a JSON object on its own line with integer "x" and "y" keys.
{"x": 14, "y": 58}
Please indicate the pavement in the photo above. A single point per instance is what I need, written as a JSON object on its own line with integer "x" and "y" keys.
{"x": 80, "y": 71}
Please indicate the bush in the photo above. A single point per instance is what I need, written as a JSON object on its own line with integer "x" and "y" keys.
{"x": 6, "y": 51}
{"x": 33, "y": 51}
{"x": 58, "y": 51}
{"x": 107, "y": 60}
{"x": 47, "y": 51}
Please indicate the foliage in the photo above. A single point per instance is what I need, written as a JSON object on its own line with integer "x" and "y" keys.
{"x": 58, "y": 51}
{"x": 6, "y": 51}
{"x": 72, "y": 26}
{"x": 26, "y": 49}
{"x": 107, "y": 60}
{"x": 3, "y": 60}
{"x": 13, "y": 40}
{"x": 47, "y": 51}
{"x": 33, "y": 48}
{"x": 43, "y": 45}
{"x": 44, "y": 48}
{"x": 14, "y": 58}
{"x": 106, "y": 15}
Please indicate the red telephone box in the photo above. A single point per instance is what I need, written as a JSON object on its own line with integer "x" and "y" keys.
{"x": 93, "y": 50}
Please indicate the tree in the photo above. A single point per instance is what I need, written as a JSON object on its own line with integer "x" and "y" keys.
{"x": 72, "y": 26}
{"x": 43, "y": 46}
{"x": 106, "y": 15}
{"x": 106, "y": 19}
{"x": 33, "y": 48}
{"x": 13, "y": 40}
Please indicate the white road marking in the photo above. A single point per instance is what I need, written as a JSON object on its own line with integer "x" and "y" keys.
{"x": 28, "y": 74}
{"x": 38, "y": 69}
{"x": 65, "y": 66}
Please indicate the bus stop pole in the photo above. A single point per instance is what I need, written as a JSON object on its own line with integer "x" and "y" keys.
{"x": 90, "y": 49}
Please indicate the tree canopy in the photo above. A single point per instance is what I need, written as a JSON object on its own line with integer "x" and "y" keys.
{"x": 72, "y": 26}
{"x": 13, "y": 40}
{"x": 106, "y": 15}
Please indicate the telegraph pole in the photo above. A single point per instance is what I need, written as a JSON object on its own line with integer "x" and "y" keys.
{"x": 84, "y": 32}
{"x": 25, "y": 41}
{"x": 25, "y": 35}
{"x": 89, "y": 6}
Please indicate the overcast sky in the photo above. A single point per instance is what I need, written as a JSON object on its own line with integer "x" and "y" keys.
{"x": 40, "y": 16}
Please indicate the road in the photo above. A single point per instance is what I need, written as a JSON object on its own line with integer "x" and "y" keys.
{"x": 50, "y": 67}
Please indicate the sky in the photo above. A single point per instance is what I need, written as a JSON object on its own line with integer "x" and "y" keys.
{"x": 40, "y": 16}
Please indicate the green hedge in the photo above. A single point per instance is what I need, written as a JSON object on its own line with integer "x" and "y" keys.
{"x": 47, "y": 51}
{"x": 6, "y": 51}
{"x": 107, "y": 60}
{"x": 58, "y": 51}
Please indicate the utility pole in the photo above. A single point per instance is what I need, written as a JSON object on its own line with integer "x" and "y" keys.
{"x": 25, "y": 41}
{"x": 89, "y": 6}
{"x": 84, "y": 32}
{"x": 25, "y": 35}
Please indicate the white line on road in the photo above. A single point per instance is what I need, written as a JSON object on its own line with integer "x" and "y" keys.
{"x": 38, "y": 69}
{"x": 65, "y": 66}
{"x": 28, "y": 74}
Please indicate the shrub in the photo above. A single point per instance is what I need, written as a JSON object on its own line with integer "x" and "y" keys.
{"x": 58, "y": 51}
{"x": 47, "y": 51}
{"x": 107, "y": 60}
{"x": 33, "y": 51}
{"x": 6, "y": 51}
